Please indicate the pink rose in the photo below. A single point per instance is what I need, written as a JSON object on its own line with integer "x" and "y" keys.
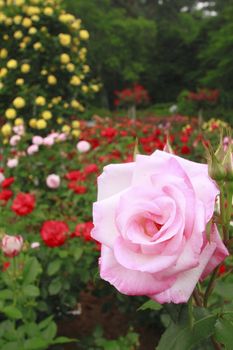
{"x": 32, "y": 149}
{"x": 53, "y": 181}
{"x": 48, "y": 141}
{"x": 83, "y": 146}
{"x": 14, "y": 140}
{"x": 11, "y": 245}
{"x": 12, "y": 163}
{"x": 37, "y": 140}
{"x": 150, "y": 218}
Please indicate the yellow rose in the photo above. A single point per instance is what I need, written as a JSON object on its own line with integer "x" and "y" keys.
{"x": 70, "y": 67}
{"x": 33, "y": 123}
{"x": 66, "y": 105}
{"x": 44, "y": 72}
{"x": 41, "y": 124}
{"x": 35, "y": 18}
{"x": 8, "y": 21}
{"x": 19, "y": 81}
{"x": 37, "y": 46}
{"x": 95, "y": 87}
{"x": 12, "y": 64}
{"x": 32, "y": 10}
{"x": 47, "y": 115}
{"x": 76, "y": 24}
{"x": 26, "y": 39}
{"x": 35, "y": 2}
{"x": 40, "y": 101}
{"x": 52, "y": 80}
{"x": 84, "y": 89}
{"x": 75, "y": 80}
{"x": 18, "y": 2}
{"x": 19, "y": 102}
{"x": 18, "y": 34}
{"x": 76, "y": 133}
{"x": 18, "y": 121}
{"x": 48, "y": 11}
{"x": 75, "y": 124}
{"x": 66, "y": 129}
{"x": 81, "y": 108}
{"x": 22, "y": 46}
{"x": 26, "y": 22}
{"x": 5, "y": 37}
{"x": 60, "y": 120}
{"x": 64, "y": 58}
{"x": 3, "y": 53}
{"x": 66, "y": 18}
{"x": 1, "y": 85}
{"x": 17, "y": 19}
{"x": 86, "y": 68}
{"x": 83, "y": 34}
{"x": 65, "y": 39}
{"x": 3, "y": 72}
{"x": 6, "y": 129}
{"x": 10, "y": 113}
{"x": 25, "y": 68}
{"x": 75, "y": 104}
{"x": 32, "y": 31}
{"x": 2, "y": 17}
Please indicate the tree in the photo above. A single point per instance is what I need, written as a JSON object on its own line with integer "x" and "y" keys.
{"x": 120, "y": 46}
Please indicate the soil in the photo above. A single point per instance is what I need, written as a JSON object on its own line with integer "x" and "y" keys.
{"x": 114, "y": 323}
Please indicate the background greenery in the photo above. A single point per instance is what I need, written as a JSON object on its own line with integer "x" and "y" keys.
{"x": 168, "y": 46}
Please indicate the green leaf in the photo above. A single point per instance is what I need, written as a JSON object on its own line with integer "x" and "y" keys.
{"x": 63, "y": 254}
{"x": 150, "y": 304}
{"x": 31, "y": 270}
{"x": 11, "y": 346}
{"x": 224, "y": 332}
{"x": 50, "y": 331}
{"x": 224, "y": 290}
{"x": 55, "y": 287}
{"x": 31, "y": 291}
{"x": 178, "y": 337}
{"x": 6, "y": 294}
{"x": 43, "y": 324}
{"x": 78, "y": 253}
{"x": 36, "y": 343}
{"x": 63, "y": 340}
{"x": 12, "y": 312}
{"x": 54, "y": 267}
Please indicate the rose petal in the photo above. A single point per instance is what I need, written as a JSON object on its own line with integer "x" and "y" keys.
{"x": 128, "y": 281}
{"x": 182, "y": 289}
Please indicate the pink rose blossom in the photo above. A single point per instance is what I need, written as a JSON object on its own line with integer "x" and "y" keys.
{"x": 48, "y": 141}
{"x": 14, "y": 140}
{"x": 12, "y": 163}
{"x": 11, "y": 245}
{"x": 19, "y": 130}
{"x": 83, "y": 146}
{"x": 53, "y": 181}
{"x": 62, "y": 137}
{"x": 35, "y": 245}
{"x": 32, "y": 149}
{"x": 37, "y": 140}
{"x": 150, "y": 218}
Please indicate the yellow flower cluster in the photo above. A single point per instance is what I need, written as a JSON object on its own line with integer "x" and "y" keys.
{"x": 215, "y": 123}
{"x": 43, "y": 97}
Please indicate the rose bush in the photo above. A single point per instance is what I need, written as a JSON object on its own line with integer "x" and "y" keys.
{"x": 150, "y": 218}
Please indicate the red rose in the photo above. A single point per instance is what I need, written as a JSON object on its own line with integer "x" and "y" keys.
{"x": 23, "y": 204}
{"x": 5, "y": 195}
{"x": 185, "y": 149}
{"x": 7, "y": 182}
{"x": 54, "y": 233}
{"x": 77, "y": 188}
{"x": 75, "y": 175}
{"x": 91, "y": 168}
{"x": 83, "y": 230}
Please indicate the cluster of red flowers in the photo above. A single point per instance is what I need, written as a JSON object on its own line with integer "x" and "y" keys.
{"x": 137, "y": 96}
{"x": 6, "y": 193}
{"x": 77, "y": 178}
{"x": 23, "y": 204}
{"x": 205, "y": 95}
